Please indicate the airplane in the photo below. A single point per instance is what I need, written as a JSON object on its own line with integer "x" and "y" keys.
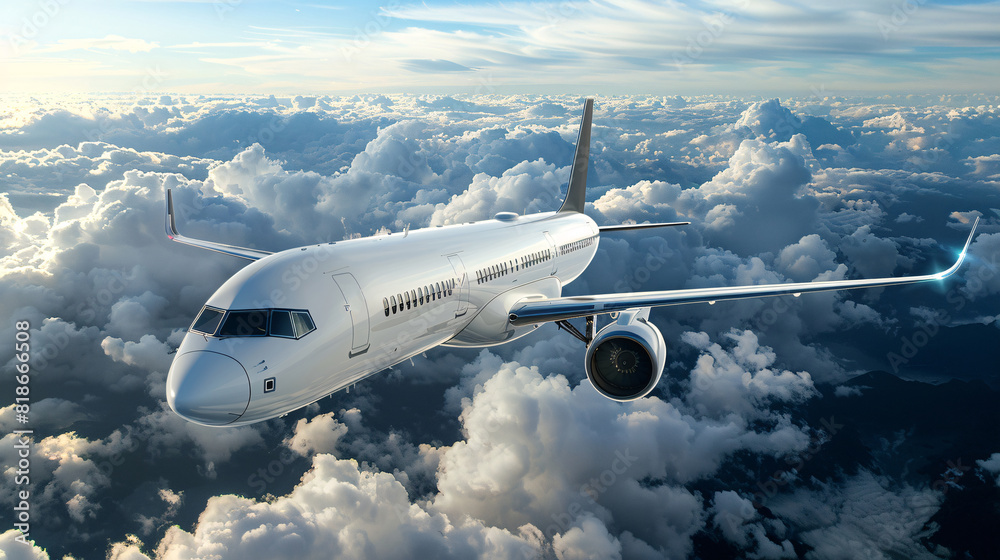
{"x": 295, "y": 326}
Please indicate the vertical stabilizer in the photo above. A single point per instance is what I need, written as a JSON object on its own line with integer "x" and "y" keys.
{"x": 576, "y": 192}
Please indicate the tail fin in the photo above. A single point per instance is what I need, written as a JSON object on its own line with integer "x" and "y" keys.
{"x": 576, "y": 192}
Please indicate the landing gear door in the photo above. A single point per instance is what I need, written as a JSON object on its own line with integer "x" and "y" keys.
{"x": 357, "y": 308}
{"x": 463, "y": 284}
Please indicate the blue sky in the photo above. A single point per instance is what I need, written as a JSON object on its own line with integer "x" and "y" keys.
{"x": 790, "y": 47}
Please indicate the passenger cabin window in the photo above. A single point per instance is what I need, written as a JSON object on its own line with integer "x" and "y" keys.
{"x": 393, "y": 299}
{"x": 420, "y": 295}
{"x": 385, "y": 303}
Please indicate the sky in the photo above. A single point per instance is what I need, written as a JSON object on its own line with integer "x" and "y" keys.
{"x": 603, "y": 46}
{"x": 802, "y": 142}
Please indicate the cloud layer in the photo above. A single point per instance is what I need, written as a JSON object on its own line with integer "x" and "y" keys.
{"x": 506, "y": 452}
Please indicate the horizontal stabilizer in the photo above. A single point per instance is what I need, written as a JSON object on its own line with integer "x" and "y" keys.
{"x": 630, "y": 227}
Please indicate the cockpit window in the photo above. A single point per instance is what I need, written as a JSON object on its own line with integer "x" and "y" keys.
{"x": 303, "y": 323}
{"x": 208, "y": 320}
{"x": 245, "y": 323}
{"x": 281, "y": 324}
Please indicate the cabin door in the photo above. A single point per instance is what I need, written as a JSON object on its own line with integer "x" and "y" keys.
{"x": 462, "y": 284}
{"x": 555, "y": 252}
{"x": 357, "y": 308}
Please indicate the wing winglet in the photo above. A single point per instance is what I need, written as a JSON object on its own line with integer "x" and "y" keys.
{"x": 170, "y": 224}
{"x": 961, "y": 256}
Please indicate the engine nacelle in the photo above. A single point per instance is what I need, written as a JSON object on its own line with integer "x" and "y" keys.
{"x": 625, "y": 360}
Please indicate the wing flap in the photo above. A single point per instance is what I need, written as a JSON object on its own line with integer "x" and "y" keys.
{"x": 557, "y": 309}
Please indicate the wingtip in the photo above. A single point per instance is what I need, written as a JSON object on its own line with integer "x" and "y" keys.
{"x": 963, "y": 254}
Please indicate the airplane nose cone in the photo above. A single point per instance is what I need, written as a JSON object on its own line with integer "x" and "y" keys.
{"x": 208, "y": 388}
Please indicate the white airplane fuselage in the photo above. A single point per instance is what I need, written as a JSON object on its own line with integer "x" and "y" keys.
{"x": 374, "y": 302}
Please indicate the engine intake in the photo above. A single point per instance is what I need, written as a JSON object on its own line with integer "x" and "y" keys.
{"x": 625, "y": 360}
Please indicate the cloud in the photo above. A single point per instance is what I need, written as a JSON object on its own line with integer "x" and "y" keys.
{"x": 630, "y": 46}
{"x": 50, "y": 414}
{"x": 339, "y": 511}
{"x": 316, "y": 435}
{"x": 168, "y": 435}
{"x": 805, "y": 260}
{"x": 645, "y": 38}
{"x": 110, "y": 42}
{"x": 741, "y": 380}
{"x": 149, "y": 353}
{"x": 739, "y": 522}
{"x": 131, "y": 316}
{"x": 871, "y": 256}
{"x": 982, "y": 278}
{"x": 769, "y": 120}
{"x": 644, "y": 201}
{"x": 904, "y": 218}
{"x": 537, "y": 451}
{"x": 760, "y": 186}
{"x": 434, "y": 66}
{"x": 588, "y": 539}
{"x": 525, "y": 188}
{"x": 848, "y": 391}
{"x": 991, "y": 465}
{"x": 16, "y": 550}
{"x": 67, "y": 474}
{"x": 171, "y": 504}
{"x": 861, "y": 516}
{"x": 130, "y": 549}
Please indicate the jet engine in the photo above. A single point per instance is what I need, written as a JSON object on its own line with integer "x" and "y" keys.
{"x": 625, "y": 360}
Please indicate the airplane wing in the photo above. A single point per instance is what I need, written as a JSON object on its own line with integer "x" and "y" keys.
{"x": 630, "y": 227}
{"x": 557, "y": 309}
{"x": 242, "y": 252}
